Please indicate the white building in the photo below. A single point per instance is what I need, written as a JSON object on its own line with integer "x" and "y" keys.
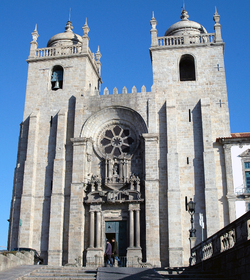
{"x": 239, "y": 145}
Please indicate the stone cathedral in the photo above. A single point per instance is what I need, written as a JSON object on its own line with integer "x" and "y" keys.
{"x": 93, "y": 165}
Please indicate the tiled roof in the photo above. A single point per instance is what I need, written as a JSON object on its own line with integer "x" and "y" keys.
{"x": 235, "y": 136}
{"x": 240, "y": 134}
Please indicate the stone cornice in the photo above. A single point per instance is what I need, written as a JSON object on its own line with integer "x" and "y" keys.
{"x": 151, "y": 137}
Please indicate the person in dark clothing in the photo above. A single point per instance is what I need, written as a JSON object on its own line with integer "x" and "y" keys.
{"x": 115, "y": 251}
{"x": 108, "y": 253}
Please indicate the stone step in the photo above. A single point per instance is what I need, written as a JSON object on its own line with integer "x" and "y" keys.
{"x": 181, "y": 273}
{"x": 66, "y": 273}
{"x": 196, "y": 278}
{"x": 191, "y": 275}
{"x": 63, "y": 274}
{"x": 69, "y": 277}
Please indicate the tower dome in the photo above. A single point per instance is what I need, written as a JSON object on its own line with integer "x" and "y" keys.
{"x": 65, "y": 38}
{"x": 185, "y": 25}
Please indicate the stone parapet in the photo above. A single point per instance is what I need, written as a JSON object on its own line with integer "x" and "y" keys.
{"x": 234, "y": 234}
{"x": 9, "y": 259}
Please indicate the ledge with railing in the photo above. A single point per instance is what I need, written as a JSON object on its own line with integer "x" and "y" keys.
{"x": 201, "y": 39}
{"x": 63, "y": 51}
{"x": 229, "y": 237}
{"x": 58, "y": 51}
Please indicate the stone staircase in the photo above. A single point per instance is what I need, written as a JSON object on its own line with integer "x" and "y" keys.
{"x": 177, "y": 273}
{"x": 66, "y": 273}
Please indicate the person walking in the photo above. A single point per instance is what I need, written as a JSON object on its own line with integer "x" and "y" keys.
{"x": 115, "y": 251}
{"x": 108, "y": 253}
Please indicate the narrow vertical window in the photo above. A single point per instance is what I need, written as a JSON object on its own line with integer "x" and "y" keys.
{"x": 57, "y": 78}
{"x": 247, "y": 176}
{"x": 187, "y": 68}
{"x": 189, "y": 115}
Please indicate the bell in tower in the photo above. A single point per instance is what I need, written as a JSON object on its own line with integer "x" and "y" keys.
{"x": 57, "y": 78}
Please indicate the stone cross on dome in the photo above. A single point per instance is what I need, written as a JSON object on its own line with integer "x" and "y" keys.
{"x": 184, "y": 15}
{"x": 69, "y": 26}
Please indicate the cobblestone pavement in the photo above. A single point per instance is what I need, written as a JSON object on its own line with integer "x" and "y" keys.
{"x": 125, "y": 273}
{"x": 18, "y": 271}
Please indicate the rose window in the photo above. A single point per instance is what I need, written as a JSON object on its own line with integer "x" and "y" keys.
{"x": 118, "y": 140}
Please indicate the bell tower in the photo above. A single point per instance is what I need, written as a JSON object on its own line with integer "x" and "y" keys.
{"x": 189, "y": 79}
{"x": 57, "y": 75}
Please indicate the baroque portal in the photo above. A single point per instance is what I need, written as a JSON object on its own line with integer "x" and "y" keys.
{"x": 114, "y": 191}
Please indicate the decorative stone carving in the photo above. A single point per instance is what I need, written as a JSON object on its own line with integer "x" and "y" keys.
{"x": 128, "y": 192}
{"x": 227, "y": 240}
{"x": 207, "y": 251}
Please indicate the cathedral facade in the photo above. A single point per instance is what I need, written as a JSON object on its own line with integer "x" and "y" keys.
{"x": 94, "y": 166}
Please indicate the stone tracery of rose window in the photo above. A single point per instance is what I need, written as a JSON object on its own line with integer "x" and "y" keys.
{"x": 118, "y": 140}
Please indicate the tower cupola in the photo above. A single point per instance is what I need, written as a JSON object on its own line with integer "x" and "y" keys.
{"x": 185, "y": 26}
{"x": 65, "y": 38}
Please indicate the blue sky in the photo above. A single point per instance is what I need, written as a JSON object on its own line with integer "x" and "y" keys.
{"x": 122, "y": 30}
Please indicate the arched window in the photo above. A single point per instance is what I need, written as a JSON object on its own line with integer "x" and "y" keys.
{"x": 187, "y": 68}
{"x": 57, "y": 77}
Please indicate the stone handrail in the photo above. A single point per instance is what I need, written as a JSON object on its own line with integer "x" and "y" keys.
{"x": 233, "y": 234}
{"x": 186, "y": 40}
{"x": 58, "y": 51}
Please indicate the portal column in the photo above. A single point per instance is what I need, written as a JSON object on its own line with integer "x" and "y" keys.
{"x": 134, "y": 252}
{"x": 92, "y": 229}
{"x": 137, "y": 228}
{"x": 98, "y": 229}
{"x": 95, "y": 252}
{"x": 131, "y": 228}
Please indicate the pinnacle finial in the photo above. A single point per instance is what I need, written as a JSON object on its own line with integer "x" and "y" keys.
{"x": 85, "y": 28}
{"x": 35, "y": 34}
{"x": 153, "y": 21}
{"x": 98, "y": 54}
{"x": 216, "y": 17}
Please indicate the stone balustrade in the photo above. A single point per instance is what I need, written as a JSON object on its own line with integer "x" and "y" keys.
{"x": 169, "y": 41}
{"x": 58, "y": 51}
{"x": 229, "y": 237}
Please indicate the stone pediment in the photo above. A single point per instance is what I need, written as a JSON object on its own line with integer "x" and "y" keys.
{"x": 246, "y": 153}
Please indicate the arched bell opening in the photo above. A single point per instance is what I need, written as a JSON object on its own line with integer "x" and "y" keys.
{"x": 57, "y": 77}
{"x": 187, "y": 68}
